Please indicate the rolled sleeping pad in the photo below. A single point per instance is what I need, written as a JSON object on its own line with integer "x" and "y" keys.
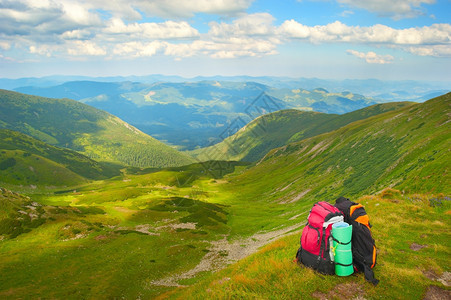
{"x": 342, "y": 235}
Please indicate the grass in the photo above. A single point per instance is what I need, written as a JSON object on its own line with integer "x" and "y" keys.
{"x": 114, "y": 237}
{"x": 21, "y": 167}
{"x": 73, "y": 161}
{"x": 398, "y": 222}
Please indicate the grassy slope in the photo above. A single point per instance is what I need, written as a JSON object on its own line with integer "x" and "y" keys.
{"x": 30, "y": 151}
{"x": 277, "y": 129}
{"x": 94, "y": 233}
{"x": 18, "y": 168}
{"x": 397, "y": 148}
{"x": 398, "y": 222}
{"x": 95, "y": 133}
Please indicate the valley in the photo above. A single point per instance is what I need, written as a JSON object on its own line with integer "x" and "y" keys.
{"x": 196, "y": 114}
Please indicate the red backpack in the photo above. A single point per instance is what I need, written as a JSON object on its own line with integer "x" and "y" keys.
{"x": 316, "y": 238}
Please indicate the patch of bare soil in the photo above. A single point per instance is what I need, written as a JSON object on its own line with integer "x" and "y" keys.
{"x": 224, "y": 252}
{"x": 297, "y": 197}
{"x": 175, "y": 226}
{"x": 444, "y": 279}
{"x": 100, "y": 237}
{"x": 346, "y": 291}
{"x": 145, "y": 228}
{"x": 417, "y": 247}
{"x": 436, "y": 293}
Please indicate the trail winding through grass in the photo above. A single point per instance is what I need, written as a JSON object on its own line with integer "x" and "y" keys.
{"x": 224, "y": 252}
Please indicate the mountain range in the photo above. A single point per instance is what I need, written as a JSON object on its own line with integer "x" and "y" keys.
{"x": 204, "y": 107}
{"x": 389, "y": 90}
{"x": 195, "y": 114}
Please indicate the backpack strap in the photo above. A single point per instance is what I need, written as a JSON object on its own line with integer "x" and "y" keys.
{"x": 359, "y": 216}
{"x": 353, "y": 208}
{"x": 337, "y": 263}
{"x": 339, "y": 241}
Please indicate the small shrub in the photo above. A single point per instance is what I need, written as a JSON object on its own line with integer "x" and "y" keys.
{"x": 390, "y": 193}
{"x": 7, "y": 163}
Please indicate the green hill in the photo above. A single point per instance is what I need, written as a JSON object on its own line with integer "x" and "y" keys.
{"x": 277, "y": 129}
{"x": 25, "y": 160}
{"x": 400, "y": 148}
{"x": 22, "y": 168}
{"x": 92, "y": 132}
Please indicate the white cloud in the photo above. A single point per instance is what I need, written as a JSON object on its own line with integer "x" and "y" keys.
{"x": 398, "y": 9}
{"x": 165, "y": 30}
{"x": 337, "y": 32}
{"x": 248, "y": 35}
{"x": 430, "y": 50}
{"x": 250, "y": 25}
{"x": 169, "y": 8}
{"x": 347, "y": 13}
{"x": 372, "y": 58}
{"x": 41, "y": 50}
{"x": 82, "y": 48}
{"x": 434, "y": 40}
{"x": 5, "y": 45}
{"x": 138, "y": 49}
{"x": 37, "y": 18}
{"x": 187, "y": 8}
{"x": 76, "y": 34}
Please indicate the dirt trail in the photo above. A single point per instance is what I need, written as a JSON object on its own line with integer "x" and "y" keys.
{"x": 223, "y": 253}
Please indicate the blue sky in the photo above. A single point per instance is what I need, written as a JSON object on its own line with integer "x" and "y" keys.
{"x": 337, "y": 39}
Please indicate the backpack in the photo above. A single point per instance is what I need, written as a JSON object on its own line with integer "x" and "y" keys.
{"x": 363, "y": 244}
{"x": 316, "y": 238}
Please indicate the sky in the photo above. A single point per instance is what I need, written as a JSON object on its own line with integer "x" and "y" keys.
{"x": 331, "y": 39}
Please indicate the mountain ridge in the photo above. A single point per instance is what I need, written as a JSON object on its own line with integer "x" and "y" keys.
{"x": 80, "y": 127}
{"x": 395, "y": 151}
{"x": 277, "y": 129}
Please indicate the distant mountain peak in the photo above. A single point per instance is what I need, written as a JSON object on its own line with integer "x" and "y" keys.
{"x": 321, "y": 90}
